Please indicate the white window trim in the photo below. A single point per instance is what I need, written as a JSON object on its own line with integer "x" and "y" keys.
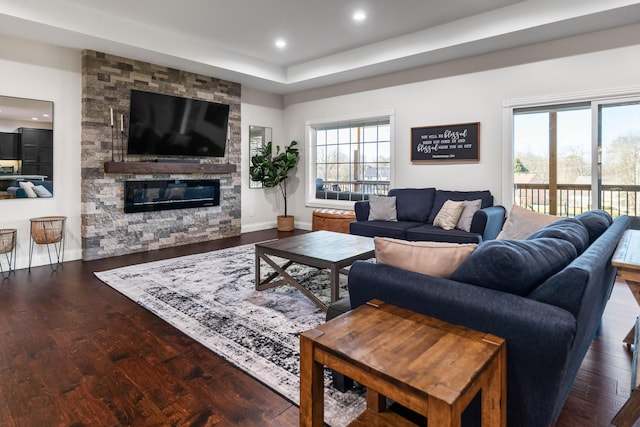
{"x": 310, "y": 125}
{"x": 508, "y": 106}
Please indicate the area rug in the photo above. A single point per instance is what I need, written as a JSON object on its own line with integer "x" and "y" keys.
{"x": 211, "y": 297}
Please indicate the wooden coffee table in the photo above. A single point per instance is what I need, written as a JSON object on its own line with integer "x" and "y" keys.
{"x": 429, "y": 366}
{"x": 320, "y": 249}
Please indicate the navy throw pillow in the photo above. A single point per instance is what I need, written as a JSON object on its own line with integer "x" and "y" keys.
{"x": 569, "y": 229}
{"x": 413, "y": 204}
{"x": 515, "y": 266}
{"x": 596, "y": 221}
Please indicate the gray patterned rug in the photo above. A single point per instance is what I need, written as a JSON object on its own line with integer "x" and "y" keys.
{"x": 211, "y": 298}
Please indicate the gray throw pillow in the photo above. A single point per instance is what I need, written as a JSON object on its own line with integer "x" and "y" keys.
{"x": 469, "y": 210}
{"x": 41, "y": 191}
{"x": 382, "y": 208}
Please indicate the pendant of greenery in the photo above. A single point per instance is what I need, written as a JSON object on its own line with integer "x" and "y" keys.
{"x": 272, "y": 170}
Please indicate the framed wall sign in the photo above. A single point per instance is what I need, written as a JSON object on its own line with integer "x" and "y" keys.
{"x": 459, "y": 142}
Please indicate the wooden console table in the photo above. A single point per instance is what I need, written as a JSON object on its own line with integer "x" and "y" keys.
{"x": 627, "y": 259}
{"x": 429, "y": 366}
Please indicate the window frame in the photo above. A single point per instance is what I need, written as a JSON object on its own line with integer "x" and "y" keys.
{"x": 594, "y": 98}
{"x": 310, "y": 149}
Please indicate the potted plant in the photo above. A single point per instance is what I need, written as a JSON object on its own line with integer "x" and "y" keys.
{"x": 272, "y": 170}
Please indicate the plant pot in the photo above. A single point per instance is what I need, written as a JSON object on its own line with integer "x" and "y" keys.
{"x": 285, "y": 223}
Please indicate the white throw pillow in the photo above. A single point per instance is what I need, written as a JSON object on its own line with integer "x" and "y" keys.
{"x": 382, "y": 208}
{"x": 469, "y": 210}
{"x": 522, "y": 222}
{"x": 449, "y": 215}
{"x": 27, "y": 186}
{"x": 438, "y": 259}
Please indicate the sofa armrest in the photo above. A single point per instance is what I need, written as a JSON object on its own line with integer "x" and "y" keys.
{"x": 361, "y": 209}
{"x": 539, "y": 336}
{"x": 488, "y": 222}
{"x": 17, "y": 192}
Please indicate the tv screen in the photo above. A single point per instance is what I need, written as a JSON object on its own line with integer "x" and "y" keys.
{"x": 165, "y": 125}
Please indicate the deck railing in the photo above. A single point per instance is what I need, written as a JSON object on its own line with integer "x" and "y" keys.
{"x": 367, "y": 187}
{"x": 572, "y": 199}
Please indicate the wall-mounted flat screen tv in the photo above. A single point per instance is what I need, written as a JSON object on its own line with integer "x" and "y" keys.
{"x": 164, "y": 125}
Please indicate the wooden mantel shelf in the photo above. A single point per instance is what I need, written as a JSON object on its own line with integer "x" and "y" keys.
{"x": 168, "y": 167}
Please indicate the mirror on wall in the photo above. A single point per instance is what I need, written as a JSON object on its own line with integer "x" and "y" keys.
{"x": 26, "y": 148}
{"x": 258, "y": 138}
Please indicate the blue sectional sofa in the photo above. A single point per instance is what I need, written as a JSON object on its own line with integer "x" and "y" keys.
{"x": 19, "y": 193}
{"x": 417, "y": 208}
{"x": 544, "y": 295}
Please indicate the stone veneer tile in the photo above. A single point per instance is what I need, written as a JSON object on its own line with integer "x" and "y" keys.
{"x": 106, "y": 229}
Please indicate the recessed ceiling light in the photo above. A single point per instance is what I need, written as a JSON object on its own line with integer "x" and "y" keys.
{"x": 45, "y": 115}
{"x": 281, "y": 43}
{"x": 359, "y": 16}
{"x": 34, "y": 118}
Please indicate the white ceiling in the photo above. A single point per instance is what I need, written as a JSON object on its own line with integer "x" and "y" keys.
{"x": 234, "y": 39}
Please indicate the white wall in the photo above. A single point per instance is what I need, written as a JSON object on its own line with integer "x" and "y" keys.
{"x": 39, "y": 71}
{"x": 470, "y": 90}
{"x": 260, "y": 206}
{"x": 460, "y": 91}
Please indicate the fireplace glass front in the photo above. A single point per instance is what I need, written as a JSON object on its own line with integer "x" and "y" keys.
{"x": 145, "y": 196}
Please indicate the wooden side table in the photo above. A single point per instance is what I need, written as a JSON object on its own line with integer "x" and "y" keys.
{"x": 432, "y": 367}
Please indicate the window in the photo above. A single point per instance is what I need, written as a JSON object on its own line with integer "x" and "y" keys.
{"x": 552, "y": 159}
{"x": 349, "y": 160}
{"x": 574, "y": 157}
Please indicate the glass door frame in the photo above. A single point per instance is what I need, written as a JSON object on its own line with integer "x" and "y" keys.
{"x": 596, "y": 99}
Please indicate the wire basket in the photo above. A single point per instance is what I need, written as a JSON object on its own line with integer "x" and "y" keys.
{"x": 7, "y": 240}
{"x": 47, "y": 229}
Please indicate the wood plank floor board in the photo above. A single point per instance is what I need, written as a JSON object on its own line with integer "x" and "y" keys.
{"x": 75, "y": 352}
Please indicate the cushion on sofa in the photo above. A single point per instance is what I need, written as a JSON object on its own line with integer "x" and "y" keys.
{"x": 395, "y": 229}
{"x": 466, "y": 217}
{"x": 596, "y": 221}
{"x": 449, "y": 214}
{"x": 458, "y": 196}
{"x": 413, "y": 204}
{"x": 382, "y": 208}
{"x": 569, "y": 229}
{"x": 428, "y": 232}
{"x": 41, "y": 191}
{"x": 515, "y": 266}
{"x": 437, "y": 259}
{"x": 27, "y": 186}
{"x": 522, "y": 222}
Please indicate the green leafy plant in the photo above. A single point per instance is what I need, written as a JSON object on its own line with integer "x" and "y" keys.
{"x": 273, "y": 170}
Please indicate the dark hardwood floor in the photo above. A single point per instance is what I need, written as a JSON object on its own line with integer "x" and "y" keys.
{"x": 74, "y": 352}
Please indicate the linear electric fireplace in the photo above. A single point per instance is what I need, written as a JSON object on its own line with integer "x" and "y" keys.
{"x": 158, "y": 195}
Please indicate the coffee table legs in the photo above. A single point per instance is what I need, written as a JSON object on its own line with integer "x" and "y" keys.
{"x": 286, "y": 278}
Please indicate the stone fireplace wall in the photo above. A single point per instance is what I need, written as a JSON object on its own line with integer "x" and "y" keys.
{"x": 106, "y": 229}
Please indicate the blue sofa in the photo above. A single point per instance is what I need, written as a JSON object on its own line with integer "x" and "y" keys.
{"x": 19, "y": 193}
{"x": 544, "y": 295}
{"x": 417, "y": 208}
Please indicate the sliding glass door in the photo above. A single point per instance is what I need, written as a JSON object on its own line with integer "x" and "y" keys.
{"x": 570, "y": 158}
{"x": 619, "y": 129}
